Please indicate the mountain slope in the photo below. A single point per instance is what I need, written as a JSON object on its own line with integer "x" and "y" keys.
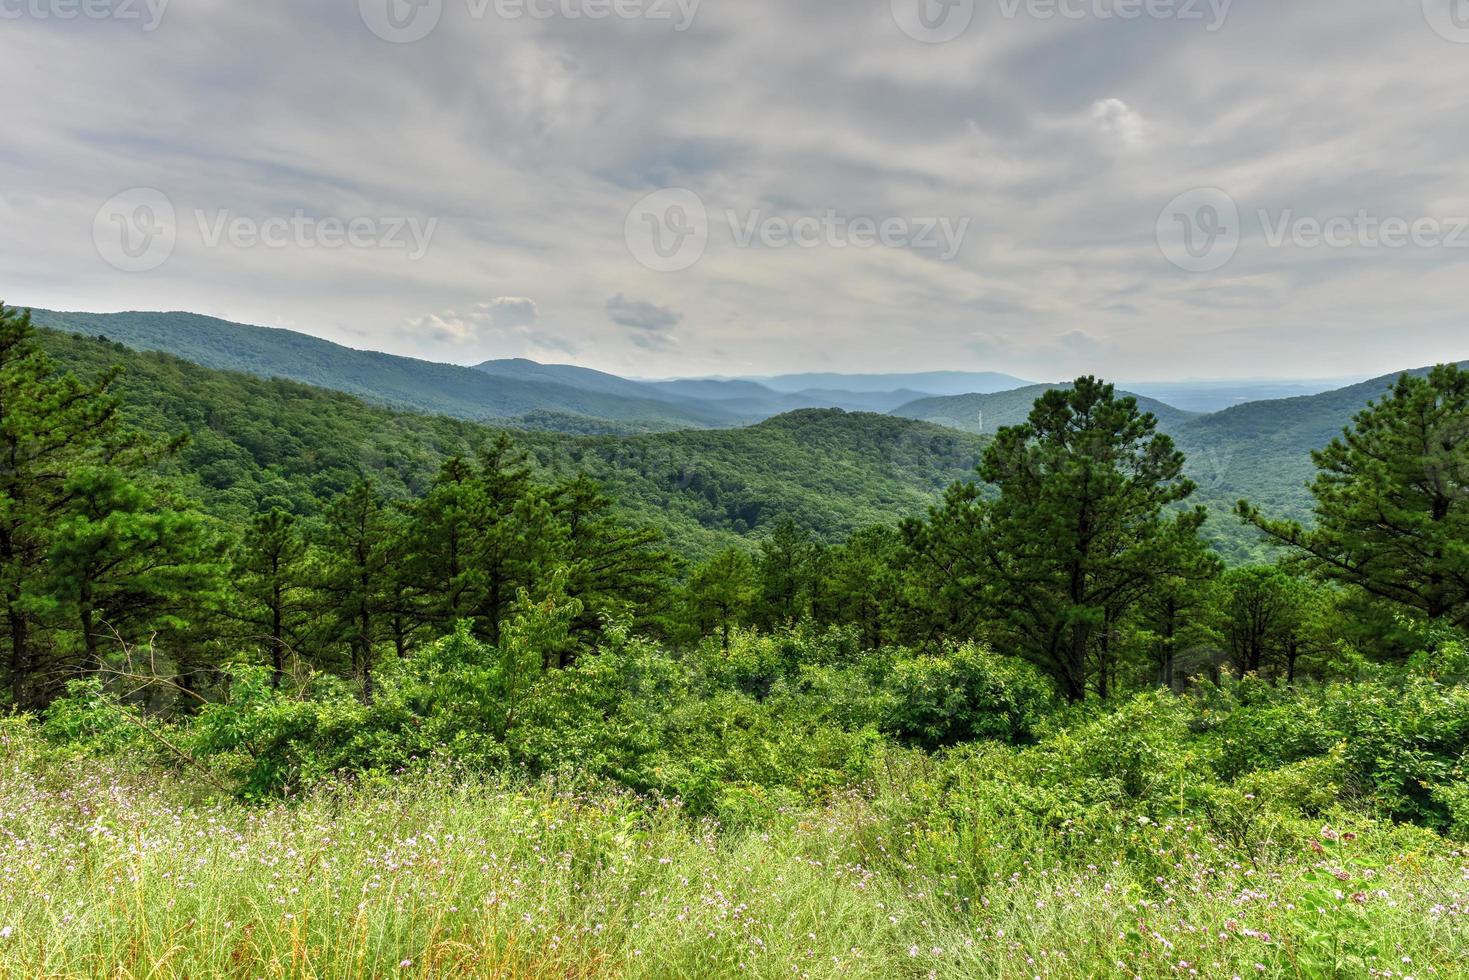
{"x": 256, "y": 444}
{"x": 1261, "y": 451}
{"x": 992, "y": 412}
{"x": 928, "y": 382}
{"x": 398, "y": 382}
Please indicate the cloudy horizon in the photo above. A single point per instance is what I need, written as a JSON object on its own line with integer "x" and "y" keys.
{"x": 1144, "y": 189}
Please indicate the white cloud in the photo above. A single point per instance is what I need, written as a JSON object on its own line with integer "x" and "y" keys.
{"x": 1120, "y": 126}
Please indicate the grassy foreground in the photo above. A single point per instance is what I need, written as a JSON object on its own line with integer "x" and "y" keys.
{"x": 107, "y": 870}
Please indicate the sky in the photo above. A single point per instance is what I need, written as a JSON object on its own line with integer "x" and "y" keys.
{"x": 1143, "y": 189}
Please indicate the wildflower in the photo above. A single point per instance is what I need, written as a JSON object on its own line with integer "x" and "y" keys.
{"x": 6, "y": 932}
{"x": 405, "y": 964}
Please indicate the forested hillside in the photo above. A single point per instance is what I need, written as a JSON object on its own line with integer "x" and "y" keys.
{"x": 513, "y": 391}
{"x": 398, "y": 382}
{"x": 255, "y": 444}
{"x": 290, "y": 678}
{"x": 989, "y": 413}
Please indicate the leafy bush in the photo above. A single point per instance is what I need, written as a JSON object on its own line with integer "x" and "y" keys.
{"x": 967, "y": 694}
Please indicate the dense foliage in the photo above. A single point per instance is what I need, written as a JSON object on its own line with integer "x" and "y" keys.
{"x": 255, "y": 445}
{"x": 1044, "y": 690}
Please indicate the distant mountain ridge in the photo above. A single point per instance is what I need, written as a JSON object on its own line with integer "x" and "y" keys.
{"x": 512, "y": 391}
{"x": 989, "y": 413}
{"x": 1258, "y": 450}
{"x": 387, "y": 379}
{"x": 256, "y": 444}
{"x": 927, "y": 382}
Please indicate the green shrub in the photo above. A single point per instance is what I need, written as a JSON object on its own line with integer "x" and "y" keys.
{"x": 965, "y": 695}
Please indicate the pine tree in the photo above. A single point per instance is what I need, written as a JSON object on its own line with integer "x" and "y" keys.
{"x": 1392, "y": 501}
{"x": 1077, "y": 534}
{"x": 272, "y": 586}
{"x": 613, "y": 571}
{"x": 356, "y": 582}
{"x": 722, "y": 593}
{"x": 447, "y": 553}
{"x": 126, "y": 561}
{"x": 65, "y": 486}
{"x": 790, "y": 572}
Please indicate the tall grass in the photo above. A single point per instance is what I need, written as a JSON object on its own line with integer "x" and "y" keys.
{"x": 112, "y": 870}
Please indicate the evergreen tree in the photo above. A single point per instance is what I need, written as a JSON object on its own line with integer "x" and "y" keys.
{"x": 1392, "y": 500}
{"x": 125, "y": 561}
{"x": 865, "y": 586}
{"x": 1077, "y": 534}
{"x": 356, "y": 584}
{"x": 722, "y": 593}
{"x": 1172, "y": 618}
{"x": 790, "y": 574}
{"x": 80, "y": 541}
{"x": 612, "y": 570}
{"x": 272, "y": 586}
{"x": 1260, "y": 613}
{"x": 447, "y": 557}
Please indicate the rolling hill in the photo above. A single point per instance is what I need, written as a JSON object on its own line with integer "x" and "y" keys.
{"x": 1259, "y": 451}
{"x": 396, "y": 382}
{"x": 669, "y": 449}
{"x": 514, "y": 392}
{"x": 927, "y": 382}
{"x": 988, "y": 413}
{"x": 259, "y": 443}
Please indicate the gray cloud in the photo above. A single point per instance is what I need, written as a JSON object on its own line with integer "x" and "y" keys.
{"x": 529, "y": 141}
{"x": 640, "y": 315}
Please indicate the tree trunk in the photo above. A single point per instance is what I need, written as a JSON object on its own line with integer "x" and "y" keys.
{"x": 277, "y": 644}
{"x": 19, "y": 656}
{"x": 1075, "y": 679}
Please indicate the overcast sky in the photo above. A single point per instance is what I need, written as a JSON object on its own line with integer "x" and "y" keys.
{"x": 982, "y": 187}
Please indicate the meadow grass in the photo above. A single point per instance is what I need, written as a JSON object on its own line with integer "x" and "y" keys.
{"x": 111, "y": 869}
